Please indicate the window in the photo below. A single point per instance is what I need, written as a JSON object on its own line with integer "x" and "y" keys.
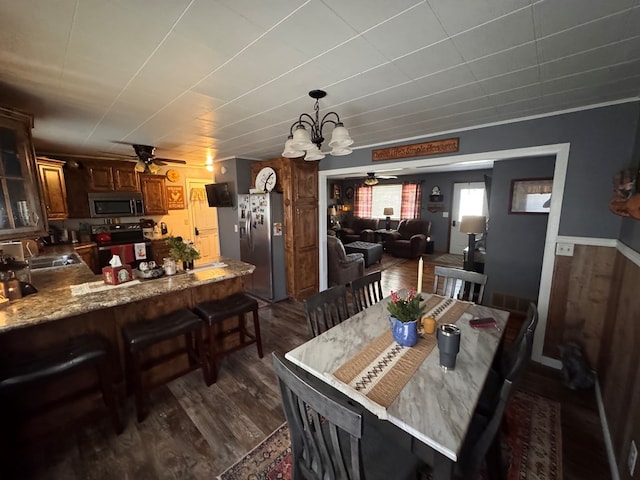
{"x": 385, "y": 196}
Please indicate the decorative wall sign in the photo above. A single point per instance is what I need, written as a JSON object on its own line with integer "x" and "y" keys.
{"x": 336, "y": 191}
{"x": 448, "y": 145}
{"x": 175, "y": 197}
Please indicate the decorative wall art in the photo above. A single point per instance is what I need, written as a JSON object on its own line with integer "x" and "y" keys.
{"x": 175, "y": 197}
{"x": 436, "y": 147}
{"x": 531, "y": 195}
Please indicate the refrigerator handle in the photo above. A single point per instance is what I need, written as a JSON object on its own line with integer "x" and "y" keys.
{"x": 248, "y": 224}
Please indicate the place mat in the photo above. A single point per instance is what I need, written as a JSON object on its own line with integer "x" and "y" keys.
{"x": 99, "y": 286}
{"x": 382, "y": 369}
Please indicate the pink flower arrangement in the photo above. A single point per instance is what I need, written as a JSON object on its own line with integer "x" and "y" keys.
{"x": 406, "y": 309}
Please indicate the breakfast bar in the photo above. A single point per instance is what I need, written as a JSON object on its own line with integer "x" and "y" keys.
{"x": 58, "y": 312}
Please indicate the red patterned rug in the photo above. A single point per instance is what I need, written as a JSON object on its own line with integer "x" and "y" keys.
{"x": 531, "y": 446}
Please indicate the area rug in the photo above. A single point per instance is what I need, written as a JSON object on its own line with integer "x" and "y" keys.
{"x": 445, "y": 259}
{"x": 531, "y": 446}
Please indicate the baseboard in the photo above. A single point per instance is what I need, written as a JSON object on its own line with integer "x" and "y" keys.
{"x": 613, "y": 465}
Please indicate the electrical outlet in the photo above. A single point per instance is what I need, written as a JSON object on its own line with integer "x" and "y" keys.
{"x": 565, "y": 249}
{"x": 445, "y": 214}
{"x": 633, "y": 456}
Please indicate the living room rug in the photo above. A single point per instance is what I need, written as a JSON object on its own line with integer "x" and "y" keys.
{"x": 531, "y": 446}
{"x": 444, "y": 259}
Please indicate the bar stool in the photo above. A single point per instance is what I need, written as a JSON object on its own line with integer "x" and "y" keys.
{"x": 32, "y": 370}
{"x": 142, "y": 335}
{"x": 214, "y": 312}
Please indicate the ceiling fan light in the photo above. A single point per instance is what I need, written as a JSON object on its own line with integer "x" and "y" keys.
{"x": 340, "y": 137}
{"x": 289, "y": 151}
{"x": 313, "y": 153}
{"x": 340, "y": 151}
{"x": 301, "y": 139}
{"x": 370, "y": 181}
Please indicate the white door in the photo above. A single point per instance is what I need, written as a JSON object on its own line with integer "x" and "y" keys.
{"x": 468, "y": 199}
{"x": 203, "y": 221}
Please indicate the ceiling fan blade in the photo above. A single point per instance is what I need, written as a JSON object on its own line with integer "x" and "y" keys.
{"x": 171, "y": 160}
{"x": 158, "y": 161}
{"x": 387, "y": 177}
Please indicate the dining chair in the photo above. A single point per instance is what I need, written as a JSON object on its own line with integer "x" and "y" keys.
{"x": 329, "y": 438}
{"x": 365, "y": 291}
{"x": 326, "y": 309}
{"x": 460, "y": 284}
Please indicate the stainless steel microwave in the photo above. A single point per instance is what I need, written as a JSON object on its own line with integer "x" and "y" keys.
{"x": 116, "y": 204}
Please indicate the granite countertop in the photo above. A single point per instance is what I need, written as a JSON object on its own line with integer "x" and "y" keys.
{"x": 55, "y": 301}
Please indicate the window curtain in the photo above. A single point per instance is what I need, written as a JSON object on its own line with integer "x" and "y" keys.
{"x": 411, "y": 200}
{"x": 364, "y": 202}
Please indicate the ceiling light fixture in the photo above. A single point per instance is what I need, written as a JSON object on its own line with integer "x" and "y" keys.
{"x": 370, "y": 181}
{"x": 302, "y": 142}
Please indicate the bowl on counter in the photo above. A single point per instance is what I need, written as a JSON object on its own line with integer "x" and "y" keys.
{"x": 147, "y": 274}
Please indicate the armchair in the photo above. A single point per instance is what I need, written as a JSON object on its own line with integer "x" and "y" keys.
{"x": 363, "y": 229}
{"x": 410, "y": 240}
{"x": 343, "y": 268}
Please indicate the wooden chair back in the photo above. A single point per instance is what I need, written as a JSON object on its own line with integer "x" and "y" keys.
{"x": 460, "y": 284}
{"x": 366, "y": 291}
{"x": 326, "y": 309}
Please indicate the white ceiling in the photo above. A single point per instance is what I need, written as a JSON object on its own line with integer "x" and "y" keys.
{"x": 229, "y": 77}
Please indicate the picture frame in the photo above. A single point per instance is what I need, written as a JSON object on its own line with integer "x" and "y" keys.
{"x": 175, "y": 197}
{"x": 336, "y": 191}
{"x": 530, "y": 196}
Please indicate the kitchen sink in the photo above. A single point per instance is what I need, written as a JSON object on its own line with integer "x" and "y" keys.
{"x": 48, "y": 261}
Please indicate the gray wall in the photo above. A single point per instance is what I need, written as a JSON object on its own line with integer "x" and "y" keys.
{"x": 515, "y": 242}
{"x": 238, "y": 176}
{"x": 602, "y": 142}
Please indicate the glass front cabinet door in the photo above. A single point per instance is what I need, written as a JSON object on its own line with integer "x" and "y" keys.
{"x": 20, "y": 206}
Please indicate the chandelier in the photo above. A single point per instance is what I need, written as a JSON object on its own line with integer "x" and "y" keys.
{"x": 308, "y": 142}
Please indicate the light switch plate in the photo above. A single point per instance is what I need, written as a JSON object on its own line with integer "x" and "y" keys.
{"x": 445, "y": 214}
{"x": 564, "y": 249}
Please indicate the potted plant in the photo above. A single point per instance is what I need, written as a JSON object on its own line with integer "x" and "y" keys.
{"x": 404, "y": 314}
{"x": 182, "y": 251}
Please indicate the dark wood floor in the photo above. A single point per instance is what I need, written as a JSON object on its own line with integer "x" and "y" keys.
{"x": 196, "y": 432}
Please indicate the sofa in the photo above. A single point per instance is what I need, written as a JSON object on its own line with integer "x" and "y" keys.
{"x": 410, "y": 240}
{"x": 343, "y": 267}
{"x": 363, "y": 229}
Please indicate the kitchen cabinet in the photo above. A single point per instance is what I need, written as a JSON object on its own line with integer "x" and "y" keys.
{"x": 159, "y": 251}
{"x": 298, "y": 182}
{"x": 52, "y": 186}
{"x": 89, "y": 254}
{"x": 111, "y": 176}
{"x": 153, "y": 194}
{"x": 20, "y": 204}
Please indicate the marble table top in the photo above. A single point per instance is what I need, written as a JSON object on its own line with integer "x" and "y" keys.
{"x": 436, "y": 405}
{"x": 55, "y": 300}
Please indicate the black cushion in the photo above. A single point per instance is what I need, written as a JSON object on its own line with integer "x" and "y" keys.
{"x": 50, "y": 362}
{"x": 215, "y": 311}
{"x": 141, "y": 335}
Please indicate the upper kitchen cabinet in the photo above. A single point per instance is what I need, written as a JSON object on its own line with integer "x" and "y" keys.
{"x": 153, "y": 194}
{"x": 20, "y": 206}
{"x": 52, "y": 186}
{"x": 111, "y": 176}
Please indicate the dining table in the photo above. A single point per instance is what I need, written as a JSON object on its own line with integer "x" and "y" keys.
{"x": 406, "y": 386}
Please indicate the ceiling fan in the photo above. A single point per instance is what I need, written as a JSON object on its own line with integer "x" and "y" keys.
{"x": 146, "y": 157}
{"x": 372, "y": 178}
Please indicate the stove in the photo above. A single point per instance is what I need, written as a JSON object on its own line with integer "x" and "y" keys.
{"x": 123, "y": 239}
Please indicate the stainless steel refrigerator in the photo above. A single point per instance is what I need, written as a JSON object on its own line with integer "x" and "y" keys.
{"x": 260, "y": 218}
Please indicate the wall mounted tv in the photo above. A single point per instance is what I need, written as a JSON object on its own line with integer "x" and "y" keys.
{"x": 218, "y": 195}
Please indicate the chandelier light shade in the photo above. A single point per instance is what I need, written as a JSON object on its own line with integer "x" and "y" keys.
{"x": 306, "y": 134}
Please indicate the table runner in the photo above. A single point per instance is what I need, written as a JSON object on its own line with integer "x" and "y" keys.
{"x": 368, "y": 371}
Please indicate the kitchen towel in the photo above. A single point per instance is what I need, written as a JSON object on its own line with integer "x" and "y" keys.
{"x": 125, "y": 252}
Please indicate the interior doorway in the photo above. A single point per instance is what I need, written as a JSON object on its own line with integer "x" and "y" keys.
{"x": 203, "y": 221}
{"x": 468, "y": 199}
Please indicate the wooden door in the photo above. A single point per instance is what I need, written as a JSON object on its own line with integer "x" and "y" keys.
{"x": 153, "y": 194}
{"x": 53, "y": 189}
{"x": 204, "y": 223}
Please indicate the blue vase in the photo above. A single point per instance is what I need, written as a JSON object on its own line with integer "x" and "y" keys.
{"x": 404, "y": 333}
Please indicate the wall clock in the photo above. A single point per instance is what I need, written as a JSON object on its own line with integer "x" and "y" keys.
{"x": 349, "y": 193}
{"x": 173, "y": 175}
{"x": 266, "y": 179}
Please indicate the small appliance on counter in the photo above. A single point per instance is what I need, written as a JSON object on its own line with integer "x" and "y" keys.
{"x": 147, "y": 225}
{"x": 163, "y": 228}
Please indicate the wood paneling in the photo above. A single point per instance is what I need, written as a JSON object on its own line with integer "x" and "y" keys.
{"x": 580, "y": 299}
{"x": 619, "y": 363}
